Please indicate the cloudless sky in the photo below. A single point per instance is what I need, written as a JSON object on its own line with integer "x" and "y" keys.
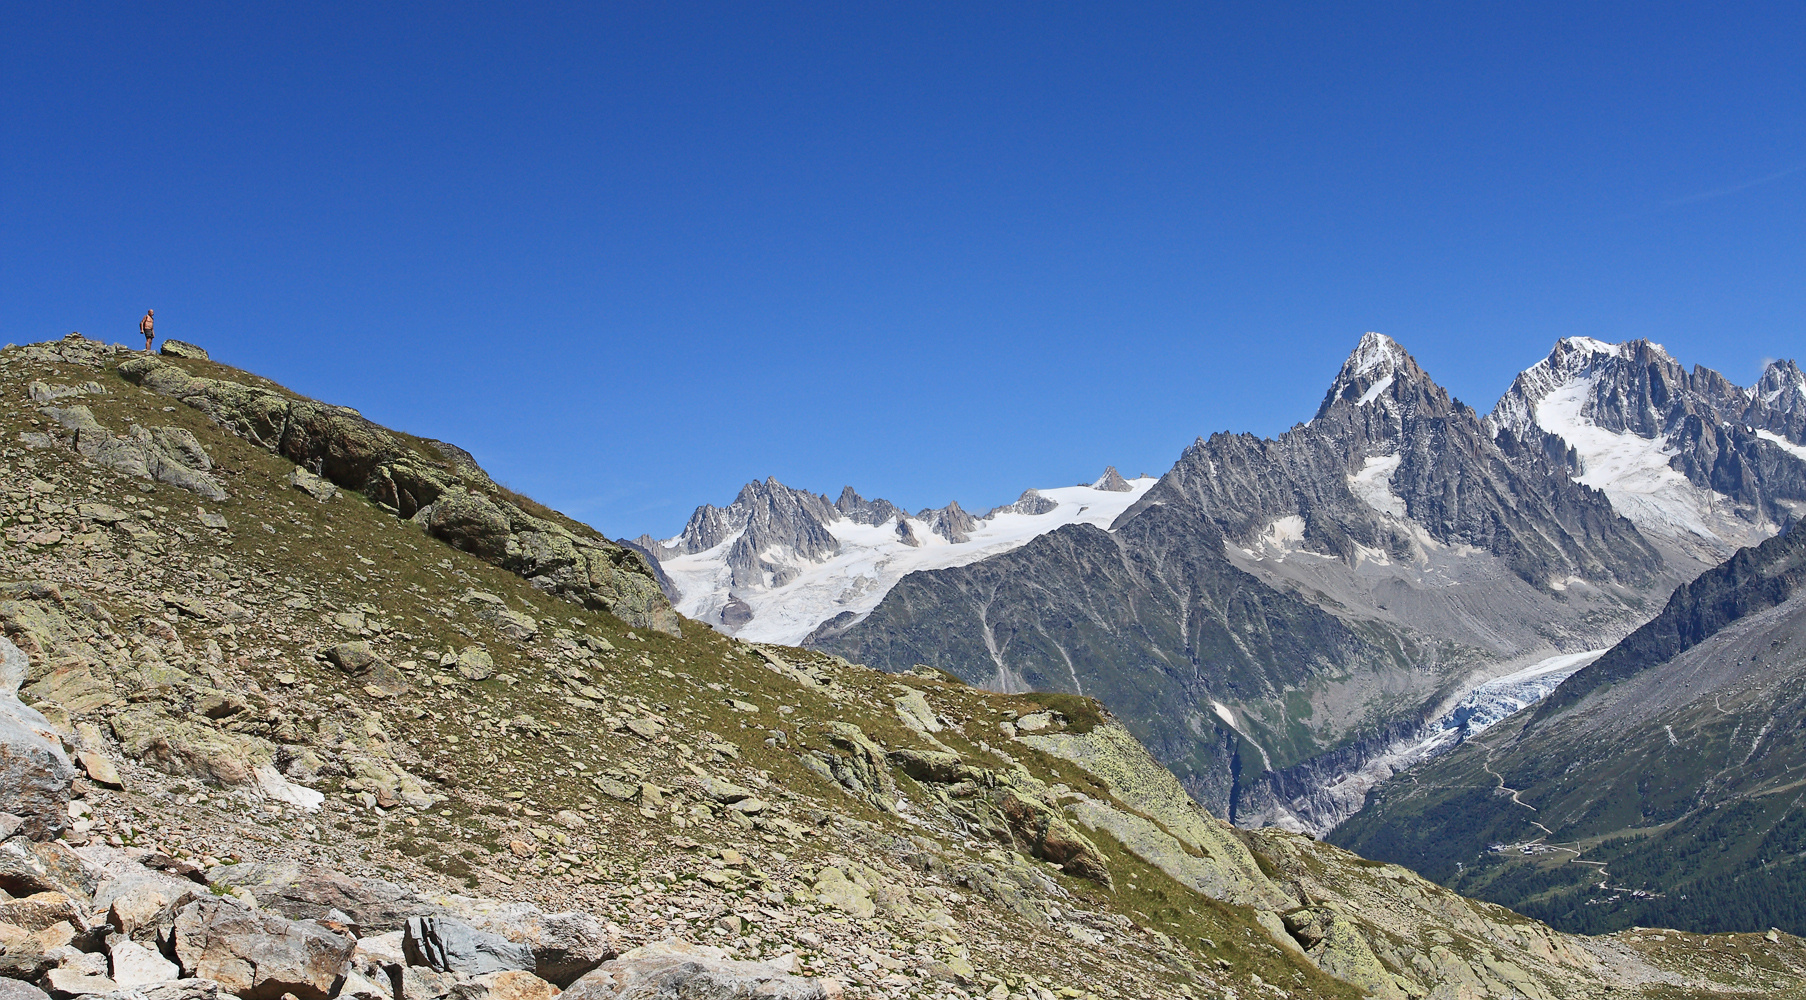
{"x": 634, "y": 255}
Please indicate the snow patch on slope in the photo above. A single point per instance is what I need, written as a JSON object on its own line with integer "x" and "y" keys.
{"x": 872, "y": 558}
{"x": 1373, "y": 484}
{"x": 1782, "y": 443}
{"x": 1634, "y": 474}
{"x": 1373, "y": 391}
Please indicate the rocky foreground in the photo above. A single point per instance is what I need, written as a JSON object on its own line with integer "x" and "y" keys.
{"x": 296, "y": 705}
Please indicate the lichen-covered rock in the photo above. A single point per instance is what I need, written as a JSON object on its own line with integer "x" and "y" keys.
{"x": 674, "y": 968}
{"x": 833, "y": 888}
{"x": 35, "y": 771}
{"x": 1216, "y": 863}
{"x": 259, "y": 956}
{"x": 192, "y": 748}
{"x": 378, "y": 675}
{"x": 1048, "y": 836}
{"x": 182, "y": 349}
{"x": 167, "y": 454}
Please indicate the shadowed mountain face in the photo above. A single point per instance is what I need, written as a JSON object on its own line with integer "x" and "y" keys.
{"x": 1657, "y": 786}
{"x": 1275, "y": 613}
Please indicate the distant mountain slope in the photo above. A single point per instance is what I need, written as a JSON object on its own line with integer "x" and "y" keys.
{"x": 1320, "y": 598}
{"x": 778, "y": 562}
{"x": 1661, "y": 785}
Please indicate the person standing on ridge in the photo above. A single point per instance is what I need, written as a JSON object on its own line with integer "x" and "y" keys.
{"x": 144, "y": 327}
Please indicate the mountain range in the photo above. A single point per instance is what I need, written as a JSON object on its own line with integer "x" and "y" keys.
{"x": 1286, "y": 622}
{"x": 293, "y": 704}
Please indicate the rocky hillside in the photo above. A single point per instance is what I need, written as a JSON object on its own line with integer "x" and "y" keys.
{"x": 1277, "y": 618}
{"x": 1656, "y": 786}
{"x": 296, "y": 705}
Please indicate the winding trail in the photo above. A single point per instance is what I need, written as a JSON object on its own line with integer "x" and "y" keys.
{"x": 1486, "y": 765}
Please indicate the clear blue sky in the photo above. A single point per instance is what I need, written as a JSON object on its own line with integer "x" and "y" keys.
{"x": 633, "y": 255}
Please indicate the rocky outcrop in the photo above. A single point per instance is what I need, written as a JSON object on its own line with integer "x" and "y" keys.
{"x": 870, "y": 512}
{"x": 1112, "y": 481}
{"x": 166, "y": 454}
{"x": 1031, "y": 502}
{"x": 449, "y": 497}
{"x": 950, "y": 522}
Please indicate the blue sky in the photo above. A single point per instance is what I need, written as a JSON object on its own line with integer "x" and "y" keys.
{"x": 635, "y": 255}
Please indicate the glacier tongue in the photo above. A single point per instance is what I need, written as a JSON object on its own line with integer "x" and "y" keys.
{"x": 1482, "y": 707}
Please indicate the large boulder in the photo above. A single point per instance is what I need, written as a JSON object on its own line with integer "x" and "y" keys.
{"x": 13, "y": 989}
{"x": 259, "y": 956}
{"x": 134, "y": 965}
{"x": 28, "y": 868}
{"x": 364, "y": 663}
{"x": 309, "y": 892}
{"x": 444, "y": 944}
{"x": 134, "y": 897}
{"x": 35, "y": 771}
{"x": 183, "y": 349}
{"x": 565, "y": 946}
{"x": 674, "y": 968}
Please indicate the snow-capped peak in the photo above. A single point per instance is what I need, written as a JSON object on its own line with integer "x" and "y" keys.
{"x": 1587, "y": 345}
{"x": 1631, "y": 416}
{"x": 1576, "y": 358}
{"x": 1375, "y": 350}
{"x": 1376, "y": 364}
{"x": 1782, "y": 387}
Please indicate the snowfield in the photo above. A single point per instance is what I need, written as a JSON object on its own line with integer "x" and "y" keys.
{"x": 872, "y": 558}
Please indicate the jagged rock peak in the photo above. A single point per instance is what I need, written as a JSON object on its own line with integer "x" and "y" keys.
{"x": 862, "y": 511}
{"x": 1782, "y": 387}
{"x": 1583, "y": 358}
{"x": 950, "y": 522}
{"x": 1112, "y": 480}
{"x": 1377, "y": 363}
{"x": 1031, "y": 502}
{"x": 763, "y": 515}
